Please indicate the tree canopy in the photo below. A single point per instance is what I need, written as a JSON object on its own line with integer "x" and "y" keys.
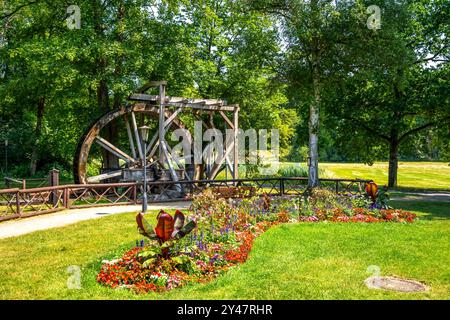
{"x": 377, "y": 93}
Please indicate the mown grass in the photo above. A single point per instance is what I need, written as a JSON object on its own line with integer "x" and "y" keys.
{"x": 411, "y": 175}
{"x": 301, "y": 261}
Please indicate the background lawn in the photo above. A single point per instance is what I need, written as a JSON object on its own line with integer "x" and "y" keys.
{"x": 301, "y": 261}
{"x": 411, "y": 175}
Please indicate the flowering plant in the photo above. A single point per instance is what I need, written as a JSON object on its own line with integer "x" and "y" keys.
{"x": 220, "y": 234}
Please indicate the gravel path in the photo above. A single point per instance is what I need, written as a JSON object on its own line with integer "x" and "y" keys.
{"x": 62, "y": 218}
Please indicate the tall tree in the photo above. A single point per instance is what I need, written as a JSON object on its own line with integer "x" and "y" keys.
{"x": 316, "y": 35}
{"x": 401, "y": 87}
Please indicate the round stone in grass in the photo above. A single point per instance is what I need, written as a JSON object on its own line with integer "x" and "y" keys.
{"x": 395, "y": 284}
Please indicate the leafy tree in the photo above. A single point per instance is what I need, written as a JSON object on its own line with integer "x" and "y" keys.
{"x": 402, "y": 88}
{"x": 63, "y": 79}
{"x": 320, "y": 40}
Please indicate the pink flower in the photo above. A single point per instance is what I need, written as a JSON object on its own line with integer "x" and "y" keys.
{"x": 201, "y": 264}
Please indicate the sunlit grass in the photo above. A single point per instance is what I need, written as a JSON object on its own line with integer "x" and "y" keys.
{"x": 414, "y": 175}
{"x": 302, "y": 261}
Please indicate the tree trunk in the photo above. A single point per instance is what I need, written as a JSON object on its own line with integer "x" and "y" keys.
{"x": 393, "y": 163}
{"x": 313, "y": 163}
{"x": 109, "y": 133}
{"x": 37, "y": 135}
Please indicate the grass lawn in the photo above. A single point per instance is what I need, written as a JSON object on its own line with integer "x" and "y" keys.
{"x": 302, "y": 261}
{"x": 411, "y": 175}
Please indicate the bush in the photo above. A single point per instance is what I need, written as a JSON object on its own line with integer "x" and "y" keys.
{"x": 301, "y": 171}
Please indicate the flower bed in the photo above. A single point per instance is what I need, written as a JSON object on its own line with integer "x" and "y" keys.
{"x": 224, "y": 234}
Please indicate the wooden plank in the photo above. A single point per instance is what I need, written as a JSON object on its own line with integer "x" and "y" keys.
{"x": 171, "y": 169}
{"x": 130, "y": 137}
{"x": 137, "y": 136}
{"x": 236, "y": 143}
{"x": 200, "y": 104}
{"x": 167, "y": 124}
{"x": 229, "y": 165}
{"x": 104, "y": 176}
{"x": 217, "y": 165}
{"x": 227, "y": 120}
{"x": 113, "y": 149}
{"x": 161, "y": 130}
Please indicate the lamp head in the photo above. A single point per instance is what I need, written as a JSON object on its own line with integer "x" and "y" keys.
{"x": 144, "y": 130}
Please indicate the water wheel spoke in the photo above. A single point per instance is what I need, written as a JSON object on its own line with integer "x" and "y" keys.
{"x": 136, "y": 134}
{"x": 130, "y": 136}
{"x": 167, "y": 125}
{"x": 113, "y": 149}
{"x": 105, "y": 176}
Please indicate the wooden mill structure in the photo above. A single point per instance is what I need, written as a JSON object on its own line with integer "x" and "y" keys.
{"x": 164, "y": 112}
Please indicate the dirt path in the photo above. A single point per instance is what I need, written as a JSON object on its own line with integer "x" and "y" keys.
{"x": 59, "y": 219}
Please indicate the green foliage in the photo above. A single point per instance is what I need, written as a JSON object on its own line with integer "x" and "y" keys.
{"x": 260, "y": 54}
{"x": 205, "y": 49}
{"x": 382, "y": 200}
{"x": 293, "y": 171}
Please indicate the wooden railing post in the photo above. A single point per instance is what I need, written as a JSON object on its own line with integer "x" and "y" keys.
{"x": 281, "y": 186}
{"x": 66, "y": 198}
{"x": 18, "y": 203}
{"x": 54, "y": 181}
{"x": 135, "y": 193}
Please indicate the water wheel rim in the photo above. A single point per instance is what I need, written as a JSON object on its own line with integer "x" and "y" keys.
{"x": 93, "y": 131}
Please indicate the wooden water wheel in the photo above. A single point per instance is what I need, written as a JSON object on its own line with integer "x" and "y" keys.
{"x": 161, "y": 114}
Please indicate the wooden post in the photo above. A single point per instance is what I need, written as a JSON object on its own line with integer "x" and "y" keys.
{"x": 54, "y": 181}
{"x": 135, "y": 199}
{"x": 66, "y": 198}
{"x": 54, "y": 177}
{"x": 236, "y": 143}
{"x": 24, "y": 184}
{"x": 18, "y": 202}
{"x": 162, "y": 98}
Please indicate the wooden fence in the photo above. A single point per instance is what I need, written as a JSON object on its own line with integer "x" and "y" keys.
{"x": 20, "y": 203}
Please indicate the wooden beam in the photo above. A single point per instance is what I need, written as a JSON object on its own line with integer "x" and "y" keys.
{"x": 218, "y": 164}
{"x": 227, "y": 120}
{"x": 167, "y": 124}
{"x": 176, "y": 161}
{"x": 200, "y": 104}
{"x": 162, "y": 118}
{"x": 229, "y": 165}
{"x": 113, "y": 149}
{"x": 130, "y": 137}
{"x": 171, "y": 169}
{"x": 136, "y": 134}
{"x": 104, "y": 176}
{"x": 236, "y": 143}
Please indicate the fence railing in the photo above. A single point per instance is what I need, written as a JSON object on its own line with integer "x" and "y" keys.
{"x": 20, "y": 203}
{"x": 51, "y": 179}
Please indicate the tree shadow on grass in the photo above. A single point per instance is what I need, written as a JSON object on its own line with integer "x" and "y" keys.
{"x": 427, "y": 210}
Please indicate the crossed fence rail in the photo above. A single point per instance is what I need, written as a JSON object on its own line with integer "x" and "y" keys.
{"x": 20, "y": 203}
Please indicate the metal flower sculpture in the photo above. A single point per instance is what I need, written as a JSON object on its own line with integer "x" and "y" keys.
{"x": 168, "y": 228}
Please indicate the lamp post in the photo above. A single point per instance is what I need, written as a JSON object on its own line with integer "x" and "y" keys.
{"x": 144, "y": 130}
